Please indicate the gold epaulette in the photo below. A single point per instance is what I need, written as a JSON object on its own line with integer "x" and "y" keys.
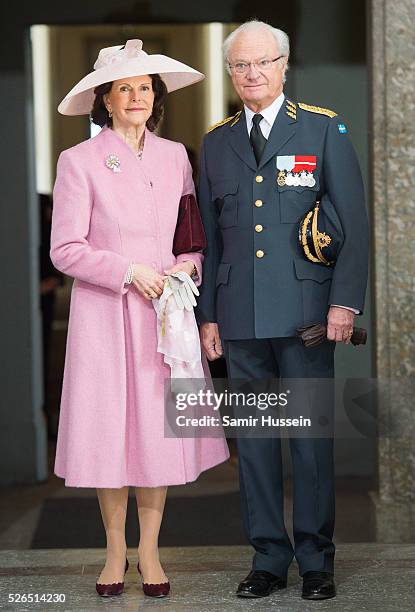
{"x": 317, "y": 109}
{"x": 216, "y": 125}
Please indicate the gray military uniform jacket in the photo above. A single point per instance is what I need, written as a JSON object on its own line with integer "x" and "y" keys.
{"x": 256, "y": 281}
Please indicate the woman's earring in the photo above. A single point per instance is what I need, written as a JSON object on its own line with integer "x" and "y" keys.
{"x": 110, "y": 113}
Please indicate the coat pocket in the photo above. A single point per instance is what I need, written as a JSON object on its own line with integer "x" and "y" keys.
{"x": 315, "y": 289}
{"x": 222, "y": 276}
{"x": 295, "y": 201}
{"x": 313, "y": 271}
{"x": 225, "y": 197}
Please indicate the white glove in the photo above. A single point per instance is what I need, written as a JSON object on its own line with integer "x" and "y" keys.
{"x": 184, "y": 290}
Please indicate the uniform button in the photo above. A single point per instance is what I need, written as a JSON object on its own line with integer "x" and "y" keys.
{"x": 260, "y": 253}
{"x": 259, "y": 178}
{"x": 258, "y": 203}
{"x": 258, "y": 228}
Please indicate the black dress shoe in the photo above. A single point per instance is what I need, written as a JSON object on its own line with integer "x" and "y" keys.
{"x": 318, "y": 585}
{"x": 260, "y": 583}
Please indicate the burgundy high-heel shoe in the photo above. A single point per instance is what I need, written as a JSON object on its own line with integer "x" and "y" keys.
{"x": 116, "y": 588}
{"x": 161, "y": 589}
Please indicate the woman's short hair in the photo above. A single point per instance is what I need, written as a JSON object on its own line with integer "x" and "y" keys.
{"x": 100, "y": 115}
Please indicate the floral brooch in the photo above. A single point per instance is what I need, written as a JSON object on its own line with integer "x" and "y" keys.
{"x": 113, "y": 163}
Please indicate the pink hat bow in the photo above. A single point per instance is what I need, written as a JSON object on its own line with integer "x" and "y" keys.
{"x": 115, "y": 55}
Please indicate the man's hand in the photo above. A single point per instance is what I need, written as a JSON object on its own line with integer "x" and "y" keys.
{"x": 210, "y": 340}
{"x": 340, "y": 324}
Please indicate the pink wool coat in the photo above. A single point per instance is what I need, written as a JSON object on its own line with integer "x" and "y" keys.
{"x": 111, "y": 426}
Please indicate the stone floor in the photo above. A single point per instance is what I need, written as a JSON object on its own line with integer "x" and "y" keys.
{"x": 369, "y": 577}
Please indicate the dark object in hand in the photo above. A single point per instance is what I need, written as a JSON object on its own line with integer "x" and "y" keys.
{"x": 313, "y": 335}
{"x": 190, "y": 234}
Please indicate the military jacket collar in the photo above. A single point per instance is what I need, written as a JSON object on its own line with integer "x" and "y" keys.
{"x": 282, "y": 131}
{"x": 269, "y": 115}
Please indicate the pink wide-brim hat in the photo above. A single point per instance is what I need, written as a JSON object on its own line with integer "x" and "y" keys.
{"x": 119, "y": 63}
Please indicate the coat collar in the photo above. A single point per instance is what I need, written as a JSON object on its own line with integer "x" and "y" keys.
{"x": 113, "y": 144}
{"x": 269, "y": 114}
{"x": 110, "y": 136}
{"x": 282, "y": 131}
{"x": 240, "y": 142}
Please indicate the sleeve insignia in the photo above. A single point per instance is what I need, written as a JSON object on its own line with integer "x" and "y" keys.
{"x": 317, "y": 109}
{"x": 235, "y": 119}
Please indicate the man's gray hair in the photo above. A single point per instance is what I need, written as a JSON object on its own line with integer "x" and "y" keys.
{"x": 281, "y": 37}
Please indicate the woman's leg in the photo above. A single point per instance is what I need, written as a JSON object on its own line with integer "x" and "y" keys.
{"x": 150, "y": 506}
{"x": 113, "y": 504}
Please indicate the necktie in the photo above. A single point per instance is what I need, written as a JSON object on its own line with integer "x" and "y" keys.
{"x": 257, "y": 138}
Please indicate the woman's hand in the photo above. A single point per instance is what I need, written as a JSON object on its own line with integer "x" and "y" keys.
{"x": 147, "y": 281}
{"x": 184, "y": 266}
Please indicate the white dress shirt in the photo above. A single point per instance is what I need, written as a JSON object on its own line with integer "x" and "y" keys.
{"x": 269, "y": 115}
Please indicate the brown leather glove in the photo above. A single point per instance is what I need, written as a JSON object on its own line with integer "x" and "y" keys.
{"x": 315, "y": 334}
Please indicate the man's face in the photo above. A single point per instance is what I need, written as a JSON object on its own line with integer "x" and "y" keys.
{"x": 257, "y": 88}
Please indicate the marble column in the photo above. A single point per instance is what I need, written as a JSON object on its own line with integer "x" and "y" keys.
{"x": 392, "y": 142}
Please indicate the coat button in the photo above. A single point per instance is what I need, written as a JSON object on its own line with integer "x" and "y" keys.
{"x": 258, "y": 203}
{"x": 258, "y": 228}
{"x": 259, "y": 178}
{"x": 260, "y": 253}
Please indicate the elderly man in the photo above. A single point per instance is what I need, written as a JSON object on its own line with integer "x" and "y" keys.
{"x": 261, "y": 171}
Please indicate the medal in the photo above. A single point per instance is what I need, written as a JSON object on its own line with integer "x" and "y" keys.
{"x": 311, "y": 181}
{"x": 306, "y": 163}
{"x": 281, "y": 178}
{"x": 289, "y": 179}
{"x": 284, "y": 163}
{"x": 296, "y": 170}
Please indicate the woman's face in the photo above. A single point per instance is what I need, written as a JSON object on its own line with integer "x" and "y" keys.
{"x": 131, "y": 101}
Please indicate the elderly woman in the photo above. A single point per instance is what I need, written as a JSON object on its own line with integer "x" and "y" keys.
{"x": 116, "y": 201}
